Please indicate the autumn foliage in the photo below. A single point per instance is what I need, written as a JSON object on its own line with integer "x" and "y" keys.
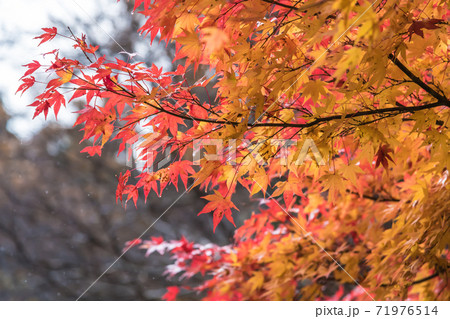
{"x": 366, "y": 81}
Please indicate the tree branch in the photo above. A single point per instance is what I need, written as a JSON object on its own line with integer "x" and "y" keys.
{"x": 416, "y": 282}
{"x": 302, "y": 8}
{"x": 417, "y": 80}
{"x": 399, "y": 110}
{"x": 375, "y": 198}
{"x": 425, "y": 279}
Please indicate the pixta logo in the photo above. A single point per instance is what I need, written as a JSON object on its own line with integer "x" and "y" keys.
{"x": 151, "y": 152}
{"x": 225, "y": 151}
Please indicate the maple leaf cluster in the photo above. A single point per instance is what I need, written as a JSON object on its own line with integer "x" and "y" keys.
{"x": 367, "y": 82}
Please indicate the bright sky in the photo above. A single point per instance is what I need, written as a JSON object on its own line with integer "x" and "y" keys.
{"x": 20, "y": 21}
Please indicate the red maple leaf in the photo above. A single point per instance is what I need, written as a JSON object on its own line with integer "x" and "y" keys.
{"x": 133, "y": 242}
{"x": 122, "y": 183}
{"x": 41, "y": 106}
{"x": 417, "y": 26}
{"x": 49, "y": 34}
{"x": 180, "y": 169}
{"x": 27, "y": 83}
{"x": 383, "y": 156}
{"x": 92, "y": 150}
{"x": 32, "y": 67}
{"x": 171, "y": 293}
{"x": 219, "y": 206}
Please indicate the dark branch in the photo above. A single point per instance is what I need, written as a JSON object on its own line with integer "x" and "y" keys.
{"x": 375, "y": 198}
{"x": 425, "y": 279}
{"x": 320, "y": 120}
{"x": 280, "y": 4}
{"x": 302, "y": 8}
{"x": 398, "y": 110}
{"x": 416, "y": 282}
{"x": 417, "y": 80}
